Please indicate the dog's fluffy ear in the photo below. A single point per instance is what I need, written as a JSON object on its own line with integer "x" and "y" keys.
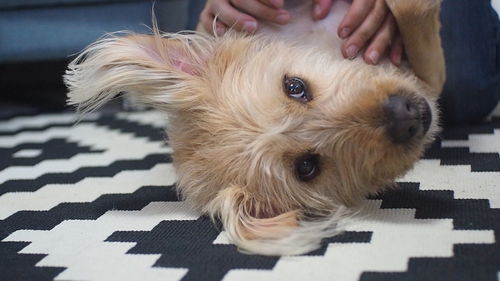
{"x": 237, "y": 210}
{"x": 160, "y": 70}
{"x": 270, "y": 232}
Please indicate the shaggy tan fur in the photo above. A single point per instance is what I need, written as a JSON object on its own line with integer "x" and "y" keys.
{"x": 236, "y": 136}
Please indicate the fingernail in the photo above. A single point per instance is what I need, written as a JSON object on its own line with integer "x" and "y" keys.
{"x": 345, "y": 32}
{"x": 317, "y": 10}
{"x": 352, "y": 51}
{"x": 374, "y": 56}
{"x": 397, "y": 60}
{"x": 220, "y": 30}
{"x": 283, "y": 17}
{"x": 250, "y": 26}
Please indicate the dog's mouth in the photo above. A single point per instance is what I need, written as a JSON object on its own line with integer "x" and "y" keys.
{"x": 425, "y": 115}
{"x": 407, "y": 118}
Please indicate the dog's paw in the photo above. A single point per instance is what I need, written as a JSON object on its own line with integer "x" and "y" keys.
{"x": 411, "y": 9}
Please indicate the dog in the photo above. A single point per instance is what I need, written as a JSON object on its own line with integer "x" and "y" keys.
{"x": 275, "y": 134}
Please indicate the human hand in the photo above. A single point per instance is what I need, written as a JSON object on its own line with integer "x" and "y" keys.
{"x": 370, "y": 24}
{"x": 243, "y": 15}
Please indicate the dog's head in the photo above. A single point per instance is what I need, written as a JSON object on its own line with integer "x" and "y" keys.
{"x": 266, "y": 136}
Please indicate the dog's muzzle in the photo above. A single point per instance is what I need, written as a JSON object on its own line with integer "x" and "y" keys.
{"x": 406, "y": 118}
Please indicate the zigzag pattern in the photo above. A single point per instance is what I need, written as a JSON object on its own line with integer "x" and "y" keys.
{"x": 97, "y": 201}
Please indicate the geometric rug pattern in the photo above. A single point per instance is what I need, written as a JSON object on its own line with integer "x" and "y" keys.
{"x": 96, "y": 200}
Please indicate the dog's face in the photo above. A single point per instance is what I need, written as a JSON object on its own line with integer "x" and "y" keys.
{"x": 289, "y": 121}
{"x": 266, "y": 135}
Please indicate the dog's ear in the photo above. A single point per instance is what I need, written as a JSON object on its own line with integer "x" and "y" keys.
{"x": 160, "y": 70}
{"x": 245, "y": 219}
{"x": 255, "y": 226}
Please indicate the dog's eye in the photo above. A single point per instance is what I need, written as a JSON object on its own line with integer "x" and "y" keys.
{"x": 307, "y": 167}
{"x": 296, "y": 89}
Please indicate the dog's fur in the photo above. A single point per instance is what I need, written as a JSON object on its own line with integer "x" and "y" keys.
{"x": 237, "y": 136}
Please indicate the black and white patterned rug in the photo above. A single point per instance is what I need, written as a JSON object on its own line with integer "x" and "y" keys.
{"x": 96, "y": 201}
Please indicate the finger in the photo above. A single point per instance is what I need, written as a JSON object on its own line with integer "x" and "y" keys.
{"x": 210, "y": 24}
{"x": 206, "y": 20}
{"x": 357, "y": 13}
{"x": 321, "y": 8}
{"x": 278, "y": 4}
{"x": 233, "y": 18}
{"x": 381, "y": 41}
{"x": 262, "y": 11}
{"x": 365, "y": 31}
{"x": 397, "y": 51}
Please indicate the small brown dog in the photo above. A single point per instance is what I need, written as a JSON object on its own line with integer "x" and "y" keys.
{"x": 274, "y": 133}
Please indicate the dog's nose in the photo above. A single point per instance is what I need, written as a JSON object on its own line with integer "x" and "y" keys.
{"x": 405, "y": 118}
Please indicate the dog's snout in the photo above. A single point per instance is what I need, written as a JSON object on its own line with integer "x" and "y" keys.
{"x": 405, "y": 118}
